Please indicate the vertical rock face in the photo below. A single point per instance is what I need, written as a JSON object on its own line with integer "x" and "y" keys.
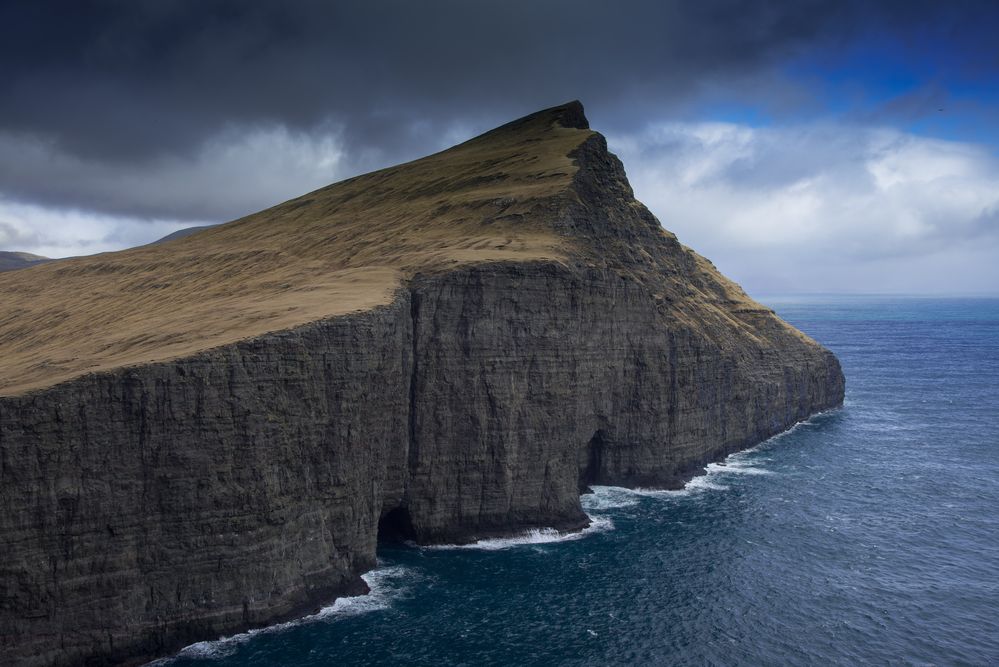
{"x": 146, "y": 507}
{"x": 154, "y": 507}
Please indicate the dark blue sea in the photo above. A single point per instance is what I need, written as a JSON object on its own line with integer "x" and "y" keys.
{"x": 868, "y": 535}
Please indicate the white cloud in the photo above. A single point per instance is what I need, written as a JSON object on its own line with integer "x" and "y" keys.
{"x": 823, "y": 207}
{"x": 111, "y": 206}
{"x": 64, "y": 233}
{"x": 806, "y": 208}
{"x": 100, "y": 205}
{"x": 233, "y": 174}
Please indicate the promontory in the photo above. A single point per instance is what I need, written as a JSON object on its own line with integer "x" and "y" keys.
{"x": 213, "y": 433}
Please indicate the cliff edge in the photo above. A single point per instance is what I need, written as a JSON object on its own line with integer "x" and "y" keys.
{"x": 212, "y": 433}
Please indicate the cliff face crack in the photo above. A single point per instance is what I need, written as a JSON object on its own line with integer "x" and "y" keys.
{"x": 594, "y": 453}
{"x": 413, "y": 451}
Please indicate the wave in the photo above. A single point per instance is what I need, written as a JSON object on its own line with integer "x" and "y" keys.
{"x": 598, "y": 524}
{"x": 607, "y": 498}
{"x": 389, "y": 582}
{"x": 624, "y": 497}
{"x": 736, "y": 467}
{"x": 743, "y": 462}
{"x": 386, "y": 584}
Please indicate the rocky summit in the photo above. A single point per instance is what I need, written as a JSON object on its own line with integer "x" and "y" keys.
{"x": 213, "y": 433}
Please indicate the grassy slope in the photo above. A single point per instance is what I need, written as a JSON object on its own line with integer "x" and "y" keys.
{"x": 343, "y": 248}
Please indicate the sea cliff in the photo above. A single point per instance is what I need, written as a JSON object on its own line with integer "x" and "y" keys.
{"x": 557, "y": 336}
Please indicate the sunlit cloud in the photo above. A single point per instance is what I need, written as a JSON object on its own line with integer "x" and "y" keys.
{"x": 53, "y": 232}
{"x": 823, "y": 207}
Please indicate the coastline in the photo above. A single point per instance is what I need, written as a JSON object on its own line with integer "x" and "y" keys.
{"x": 373, "y": 598}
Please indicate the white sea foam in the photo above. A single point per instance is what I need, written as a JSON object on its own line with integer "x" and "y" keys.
{"x": 696, "y": 485}
{"x": 608, "y": 497}
{"x": 704, "y": 483}
{"x": 737, "y": 467}
{"x": 612, "y": 497}
{"x": 386, "y": 583}
{"x": 598, "y": 524}
{"x": 805, "y": 423}
{"x": 744, "y": 462}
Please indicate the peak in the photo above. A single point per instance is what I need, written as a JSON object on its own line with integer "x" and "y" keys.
{"x": 570, "y": 115}
{"x": 344, "y": 248}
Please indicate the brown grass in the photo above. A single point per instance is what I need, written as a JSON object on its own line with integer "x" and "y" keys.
{"x": 344, "y": 248}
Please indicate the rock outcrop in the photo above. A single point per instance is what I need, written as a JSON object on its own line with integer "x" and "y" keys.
{"x": 442, "y": 351}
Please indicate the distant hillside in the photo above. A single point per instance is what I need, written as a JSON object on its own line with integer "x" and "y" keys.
{"x": 11, "y": 261}
{"x": 181, "y": 233}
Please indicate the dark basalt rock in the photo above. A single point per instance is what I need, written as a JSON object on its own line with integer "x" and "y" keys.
{"x": 150, "y": 507}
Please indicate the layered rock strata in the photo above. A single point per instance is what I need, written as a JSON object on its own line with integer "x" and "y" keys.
{"x": 149, "y": 505}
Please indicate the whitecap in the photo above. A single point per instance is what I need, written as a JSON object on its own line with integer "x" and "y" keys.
{"x": 703, "y": 483}
{"x": 386, "y": 583}
{"x": 624, "y": 497}
{"x": 736, "y": 468}
{"x": 598, "y": 524}
{"x": 607, "y": 497}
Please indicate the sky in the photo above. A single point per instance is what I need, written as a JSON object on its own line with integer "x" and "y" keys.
{"x": 802, "y": 146}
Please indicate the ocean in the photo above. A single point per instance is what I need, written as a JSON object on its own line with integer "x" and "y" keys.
{"x": 866, "y": 535}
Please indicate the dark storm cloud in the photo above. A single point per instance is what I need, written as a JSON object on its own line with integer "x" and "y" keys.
{"x": 118, "y": 87}
{"x": 124, "y": 79}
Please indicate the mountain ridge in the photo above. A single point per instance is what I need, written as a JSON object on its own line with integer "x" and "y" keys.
{"x": 509, "y": 325}
{"x": 277, "y": 254}
{"x": 14, "y": 261}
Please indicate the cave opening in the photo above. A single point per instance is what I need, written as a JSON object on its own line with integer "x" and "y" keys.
{"x": 591, "y": 469}
{"x": 396, "y": 527}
